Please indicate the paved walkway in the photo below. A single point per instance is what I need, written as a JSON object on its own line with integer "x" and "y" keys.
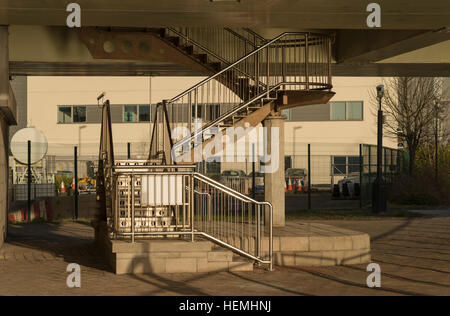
{"x": 414, "y": 256}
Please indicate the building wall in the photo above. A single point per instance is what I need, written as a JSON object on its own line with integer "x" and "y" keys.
{"x": 46, "y": 93}
{"x": 311, "y": 124}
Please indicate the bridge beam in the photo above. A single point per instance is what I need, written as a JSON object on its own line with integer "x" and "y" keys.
{"x": 376, "y": 45}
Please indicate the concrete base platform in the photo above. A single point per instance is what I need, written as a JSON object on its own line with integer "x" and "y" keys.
{"x": 296, "y": 244}
{"x": 168, "y": 256}
{"x": 314, "y": 244}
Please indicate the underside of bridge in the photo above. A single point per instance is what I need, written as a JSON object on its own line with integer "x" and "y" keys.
{"x": 180, "y": 38}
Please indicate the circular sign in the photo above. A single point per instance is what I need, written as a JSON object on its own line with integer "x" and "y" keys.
{"x": 19, "y": 145}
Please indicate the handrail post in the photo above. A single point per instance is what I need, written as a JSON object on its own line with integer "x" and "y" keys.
{"x": 271, "y": 238}
{"x": 283, "y": 64}
{"x": 329, "y": 62}
{"x": 306, "y": 62}
{"x": 258, "y": 232}
{"x": 268, "y": 72}
{"x": 132, "y": 208}
{"x": 191, "y": 208}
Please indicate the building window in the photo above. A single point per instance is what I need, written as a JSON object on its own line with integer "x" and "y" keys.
{"x": 144, "y": 113}
{"x": 345, "y": 165}
{"x": 79, "y": 114}
{"x": 130, "y": 113}
{"x": 354, "y": 111}
{"x": 338, "y": 111}
{"x": 346, "y": 111}
{"x": 65, "y": 114}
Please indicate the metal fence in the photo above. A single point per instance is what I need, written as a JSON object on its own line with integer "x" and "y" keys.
{"x": 393, "y": 162}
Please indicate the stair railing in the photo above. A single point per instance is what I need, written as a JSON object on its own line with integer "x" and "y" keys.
{"x": 291, "y": 61}
{"x": 150, "y": 201}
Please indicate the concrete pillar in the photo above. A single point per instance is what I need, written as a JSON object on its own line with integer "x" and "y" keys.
{"x": 3, "y": 177}
{"x": 4, "y": 127}
{"x": 274, "y": 178}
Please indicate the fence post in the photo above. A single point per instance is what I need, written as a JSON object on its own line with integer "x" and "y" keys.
{"x": 75, "y": 195}
{"x": 309, "y": 176}
{"x": 29, "y": 182}
{"x": 361, "y": 170}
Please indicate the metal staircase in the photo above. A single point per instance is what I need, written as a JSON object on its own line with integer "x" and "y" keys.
{"x": 251, "y": 78}
{"x": 292, "y": 65}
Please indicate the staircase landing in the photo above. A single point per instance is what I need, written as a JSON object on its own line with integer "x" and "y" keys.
{"x": 170, "y": 255}
{"x": 296, "y": 244}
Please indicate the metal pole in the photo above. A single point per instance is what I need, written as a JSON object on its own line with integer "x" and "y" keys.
{"x": 436, "y": 145}
{"x": 75, "y": 195}
{"x": 309, "y": 176}
{"x": 378, "y": 203}
{"x": 360, "y": 175}
{"x": 129, "y": 150}
{"x": 29, "y": 181}
{"x": 306, "y": 62}
{"x": 132, "y": 208}
{"x": 191, "y": 209}
{"x": 253, "y": 171}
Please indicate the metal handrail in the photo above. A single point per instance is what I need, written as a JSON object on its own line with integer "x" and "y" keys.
{"x": 236, "y": 63}
{"x": 245, "y": 199}
{"x": 203, "y": 48}
{"x": 190, "y": 229}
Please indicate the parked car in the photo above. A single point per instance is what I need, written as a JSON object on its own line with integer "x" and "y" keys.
{"x": 349, "y": 187}
{"x": 259, "y": 182}
{"x": 235, "y": 179}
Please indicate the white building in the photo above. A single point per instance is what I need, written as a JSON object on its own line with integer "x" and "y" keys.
{"x": 66, "y": 111}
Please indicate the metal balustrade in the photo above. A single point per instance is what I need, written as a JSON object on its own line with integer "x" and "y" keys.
{"x": 171, "y": 201}
{"x": 291, "y": 61}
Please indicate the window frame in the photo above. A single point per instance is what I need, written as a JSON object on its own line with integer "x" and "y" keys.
{"x": 347, "y": 164}
{"x": 346, "y": 111}
{"x": 71, "y": 114}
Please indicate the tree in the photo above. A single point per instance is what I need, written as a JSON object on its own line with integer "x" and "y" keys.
{"x": 411, "y": 105}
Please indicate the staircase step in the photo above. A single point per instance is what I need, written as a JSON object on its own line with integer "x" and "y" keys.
{"x": 189, "y": 49}
{"x": 216, "y": 66}
{"x": 159, "y": 31}
{"x": 174, "y": 40}
{"x": 202, "y": 57}
{"x": 240, "y": 264}
{"x": 220, "y": 255}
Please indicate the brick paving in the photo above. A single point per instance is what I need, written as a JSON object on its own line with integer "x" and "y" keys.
{"x": 414, "y": 256}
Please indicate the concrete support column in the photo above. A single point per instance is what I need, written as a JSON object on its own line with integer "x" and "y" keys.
{"x": 4, "y": 127}
{"x": 274, "y": 173}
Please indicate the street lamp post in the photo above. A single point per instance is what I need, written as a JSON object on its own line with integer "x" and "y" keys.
{"x": 379, "y": 190}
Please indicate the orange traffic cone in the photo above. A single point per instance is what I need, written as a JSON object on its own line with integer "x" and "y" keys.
{"x": 73, "y": 183}
{"x": 299, "y": 185}
{"x": 63, "y": 188}
{"x": 305, "y": 186}
{"x": 289, "y": 185}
